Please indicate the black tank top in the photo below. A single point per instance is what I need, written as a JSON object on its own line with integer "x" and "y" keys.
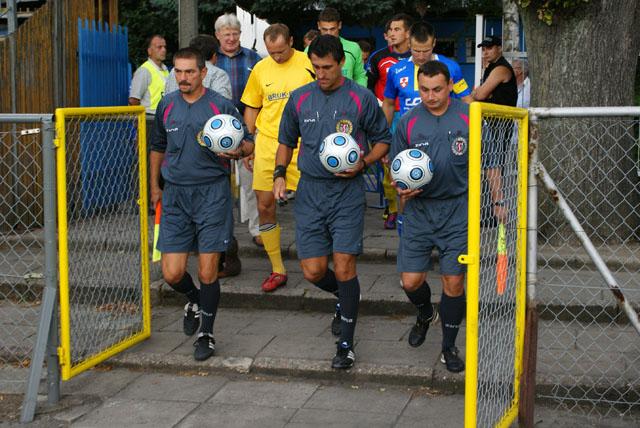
{"x": 505, "y": 93}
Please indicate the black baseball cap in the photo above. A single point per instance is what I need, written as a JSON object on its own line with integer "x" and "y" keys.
{"x": 490, "y": 41}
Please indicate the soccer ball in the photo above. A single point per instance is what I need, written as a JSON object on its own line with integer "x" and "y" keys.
{"x": 339, "y": 152}
{"x": 222, "y": 133}
{"x": 411, "y": 169}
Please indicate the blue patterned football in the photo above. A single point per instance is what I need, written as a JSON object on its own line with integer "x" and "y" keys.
{"x": 339, "y": 152}
{"x": 222, "y": 133}
{"x": 411, "y": 169}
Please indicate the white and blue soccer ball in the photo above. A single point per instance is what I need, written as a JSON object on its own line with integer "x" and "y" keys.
{"x": 339, "y": 152}
{"x": 411, "y": 169}
{"x": 222, "y": 133}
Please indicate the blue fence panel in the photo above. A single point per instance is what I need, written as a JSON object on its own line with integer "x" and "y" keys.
{"x": 106, "y": 154}
{"x": 103, "y": 60}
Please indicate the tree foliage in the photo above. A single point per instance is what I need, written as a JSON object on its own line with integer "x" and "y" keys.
{"x": 550, "y": 10}
{"x": 146, "y": 17}
{"x": 366, "y": 13}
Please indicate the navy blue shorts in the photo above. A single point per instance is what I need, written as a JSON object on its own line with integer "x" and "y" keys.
{"x": 196, "y": 218}
{"x": 430, "y": 223}
{"x": 329, "y": 216}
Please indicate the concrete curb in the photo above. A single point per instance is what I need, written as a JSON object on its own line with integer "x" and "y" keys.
{"x": 163, "y": 295}
{"x": 296, "y": 368}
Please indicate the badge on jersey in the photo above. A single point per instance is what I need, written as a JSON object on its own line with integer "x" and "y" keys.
{"x": 404, "y": 81}
{"x": 345, "y": 126}
{"x": 459, "y": 146}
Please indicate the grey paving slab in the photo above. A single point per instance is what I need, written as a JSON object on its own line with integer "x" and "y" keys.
{"x": 13, "y": 380}
{"x": 305, "y": 348}
{"x": 236, "y": 415}
{"x": 227, "y": 320}
{"x": 168, "y": 387}
{"x": 160, "y": 342}
{"x": 382, "y": 401}
{"x": 385, "y": 328}
{"x": 136, "y": 413}
{"x": 285, "y": 394}
{"x": 164, "y": 316}
{"x": 570, "y": 368}
{"x": 548, "y": 417}
{"x": 100, "y": 382}
{"x": 305, "y": 418}
{"x": 425, "y": 409}
{"x": 397, "y": 353}
{"x": 287, "y": 323}
{"x": 230, "y": 345}
{"x": 75, "y": 407}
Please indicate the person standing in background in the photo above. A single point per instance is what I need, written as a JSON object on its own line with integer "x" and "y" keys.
{"x": 238, "y": 62}
{"x": 148, "y": 82}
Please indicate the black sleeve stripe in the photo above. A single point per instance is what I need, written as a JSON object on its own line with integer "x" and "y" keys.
{"x": 313, "y": 75}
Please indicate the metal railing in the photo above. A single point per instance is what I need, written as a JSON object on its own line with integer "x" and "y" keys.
{"x": 583, "y": 270}
{"x": 28, "y": 252}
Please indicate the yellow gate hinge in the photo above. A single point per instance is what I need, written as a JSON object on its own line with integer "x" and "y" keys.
{"x": 467, "y": 259}
{"x": 61, "y": 356}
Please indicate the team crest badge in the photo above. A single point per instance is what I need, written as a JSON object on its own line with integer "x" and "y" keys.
{"x": 345, "y": 126}
{"x": 459, "y": 146}
{"x": 404, "y": 82}
{"x": 200, "y": 140}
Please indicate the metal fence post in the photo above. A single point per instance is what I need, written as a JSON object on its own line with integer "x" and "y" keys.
{"x": 528, "y": 384}
{"x": 47, "y": 327}
{"x": 51, "y": 259}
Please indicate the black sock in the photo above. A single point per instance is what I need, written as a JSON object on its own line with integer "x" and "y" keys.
{"x": 209, "y": 299}
{"x": 451, "y": 313}
{"x": 421, "y": 298}
{"x": 328, "y": 283}
{"x": 186, "y": 287}
{"x": 349, "y": 301}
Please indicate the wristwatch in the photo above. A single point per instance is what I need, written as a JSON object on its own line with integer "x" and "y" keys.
{"x": 279, "y": 171}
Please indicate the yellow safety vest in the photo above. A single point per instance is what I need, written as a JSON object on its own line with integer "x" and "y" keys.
{"x": 156, "y": 87}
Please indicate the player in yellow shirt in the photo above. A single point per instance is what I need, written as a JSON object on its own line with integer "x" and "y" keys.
{"x": 270, "y": 83}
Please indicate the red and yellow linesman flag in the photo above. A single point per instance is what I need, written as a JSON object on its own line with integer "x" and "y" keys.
{"x": 502, "y": 262}
{"x": 156, "y": 232}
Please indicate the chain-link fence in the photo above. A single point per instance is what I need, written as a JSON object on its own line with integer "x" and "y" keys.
{"x": 588, "y": 352}
{"x": 496, "y": 283}
{"x": 103, "y": 230}
{"x": 21, "y": 247}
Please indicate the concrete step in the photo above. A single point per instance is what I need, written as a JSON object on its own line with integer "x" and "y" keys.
{"x": 299, "y": 344}
{"x": 382, "y": 294}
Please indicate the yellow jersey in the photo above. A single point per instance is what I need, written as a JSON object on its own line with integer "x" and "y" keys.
{"x": 269, "y": 86}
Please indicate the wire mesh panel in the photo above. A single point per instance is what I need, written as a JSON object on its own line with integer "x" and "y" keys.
{"x": 21, "y": 248}
{"x": 497, "y": 255}
{"x": 588, "y": 353}
{"x": 104, "y": 295}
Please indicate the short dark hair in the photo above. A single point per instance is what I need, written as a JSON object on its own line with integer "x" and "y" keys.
{"x": 276, "y": 30}
{"x": 406, "y": 19}
{"x": 365, "y": 46}
{"x": 327, "y": 45}
{"x": 149, "y": 39}
{"x": 206, "y": 44}
{"x": 422, "y": 32}
{"x": 329, "y": 14}
{"x": 190, "y": 53}
{"x": 311, "y": 34}
{"x": 387, "y": 26}
{"x": 433, "y": 68}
